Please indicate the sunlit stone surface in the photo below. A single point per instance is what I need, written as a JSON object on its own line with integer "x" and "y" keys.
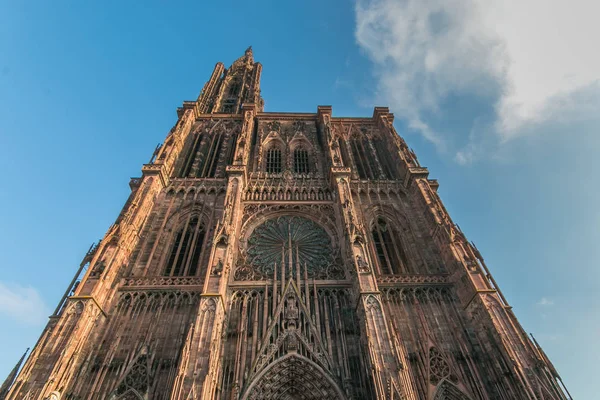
{"x": 282, "y": 256}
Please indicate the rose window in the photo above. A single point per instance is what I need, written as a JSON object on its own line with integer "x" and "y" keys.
{"x": 290, "y": 246}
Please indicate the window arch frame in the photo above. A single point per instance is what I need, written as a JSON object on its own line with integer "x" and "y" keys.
{"x": 385, "y": 157}
{"x": 389, "y": 248}
{"x": 363, "y": 158}
{"x": 210, "y": 156}
{"x": 273, "y": 156}
{"x": 196, "y": 146}
{"x": 301, "y": 143}
{"x": 342, "y": 144}
{"x": 186, "y": 247}
{"x": 301, "y": 160}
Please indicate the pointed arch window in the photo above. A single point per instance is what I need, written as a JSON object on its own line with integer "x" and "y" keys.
{"x": 208, "y": 165}
{"x": 203, "y": 157}
{"x": 385, "y": 157}
{"x": 364, "y": 159}
{"x": 231, "y": 146}
{"x": 186, "y": 249}
{"x": 344, "y": 152}
{"x": 390, "y": 252}
{"x": 301, "y": 164}
{"x": 191, "y": 156}
{"x": 273, "y": 162}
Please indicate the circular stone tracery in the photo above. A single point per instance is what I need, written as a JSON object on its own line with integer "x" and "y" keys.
{"x": 291, "y": 241}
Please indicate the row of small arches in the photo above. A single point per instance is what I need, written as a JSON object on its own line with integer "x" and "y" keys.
{"x": 281, "y": 194}
{"x": 192, "y": 191}
{"x": 322, "y": 292}
{"x": 380, "y": 190}
{"x": 421, "y": 294}
{"x": 158, "y": 298}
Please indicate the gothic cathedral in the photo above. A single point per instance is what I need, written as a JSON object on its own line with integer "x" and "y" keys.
{"x": 283, "y": 256}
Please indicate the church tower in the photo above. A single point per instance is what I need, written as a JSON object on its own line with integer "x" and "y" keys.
{"x": 283, "y": 256}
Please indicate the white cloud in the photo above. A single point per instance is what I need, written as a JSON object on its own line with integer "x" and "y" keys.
{"x": 23, "y": 304}
{"x": 527, "y": 58}
{"x": 545, "y": 302}
{"x": 425, "y": 50}
{"x": 552, "y": 49}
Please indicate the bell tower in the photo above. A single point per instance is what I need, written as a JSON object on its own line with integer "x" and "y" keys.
{"x": 228, "y": 89}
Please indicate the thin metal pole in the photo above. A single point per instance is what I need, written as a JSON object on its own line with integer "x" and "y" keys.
{"x": 70, "y": 287}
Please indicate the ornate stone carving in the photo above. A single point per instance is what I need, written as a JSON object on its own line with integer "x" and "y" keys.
{"x": 158, "y": 281}
{"x": 363, "y": 266}
{"x": 412, "y": 279}
{"x": 217, "y": 269}
{"x": 295, "y": 242}
{"x": 448, "y": 391}
{"x": 54, "y": 396}
{"x": 254, "y": 214}
{"x": 294, "y": 377}
{"x": 286, "y": 189}
{"x": 77, "y": 308}
{"x": 137, "y": 379}
{"x": 438, "y": 367}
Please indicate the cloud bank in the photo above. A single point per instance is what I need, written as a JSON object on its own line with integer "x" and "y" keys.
{"x": 23, "y": 304}
{"x": 532, "y": 61}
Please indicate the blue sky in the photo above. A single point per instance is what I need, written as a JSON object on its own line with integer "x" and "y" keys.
{"x": 499, "y": 100}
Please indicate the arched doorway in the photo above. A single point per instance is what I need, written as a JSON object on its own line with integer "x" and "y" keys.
{"x": 293, "y": 377}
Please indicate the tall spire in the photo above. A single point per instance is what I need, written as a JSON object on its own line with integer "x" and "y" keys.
{"x": 229, "y": 88}
{"x": 11, "y": 377}
{"x": 248, "y": 55}
{"x": 246, "y": 59}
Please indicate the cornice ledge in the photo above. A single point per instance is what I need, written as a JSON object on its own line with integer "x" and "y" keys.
{"x": 217, "y": 295}
{"x": 414, "y": 173}
{"x": 340, "y": 171}
{"x": 156, "y": 169}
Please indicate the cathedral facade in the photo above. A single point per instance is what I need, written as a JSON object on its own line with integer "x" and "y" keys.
{"x": 283, "y": 256}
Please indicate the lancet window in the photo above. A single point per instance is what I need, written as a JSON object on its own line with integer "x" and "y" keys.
{"x": 203, "y": 157}
{"x": 231, "y": 148}
{"x": 301, "y": 163}
{"x": 343, "y": 152}
{"x": 189, "y": 160}
{"x": 384, "y": 155}
{"x": 388, "y": 246}
{"x": 186, "y": 249}
{"x": 208, "y": 166}
{"x": 364, "y": 159}
{"x": 273, "y": 162}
